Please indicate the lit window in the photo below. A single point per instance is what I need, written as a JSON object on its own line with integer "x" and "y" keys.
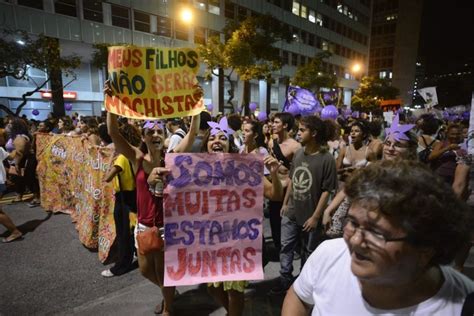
{"x": 296, "y": 8}
{"x": 382, "y": 74}
{"x": 319, "y": 19}
{"x": 312, "y": 16}
{"x": 304, "y": 12}
{"x": 390, "y": 75}
{"x": 214, "y": 7}
{"x": 325, "y": 45}
{"x": 340, "y": 8}
{"x": 200, "y": 4}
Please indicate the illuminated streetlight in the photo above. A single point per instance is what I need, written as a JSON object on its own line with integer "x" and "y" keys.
{"x": 356, "y": 68}
{"x": 186, "y": 15}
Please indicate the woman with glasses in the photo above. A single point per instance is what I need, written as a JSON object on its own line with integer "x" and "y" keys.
{"x": 398, "y": 240}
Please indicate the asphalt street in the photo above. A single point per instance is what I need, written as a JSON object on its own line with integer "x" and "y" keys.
{"x": 49, "y": 272}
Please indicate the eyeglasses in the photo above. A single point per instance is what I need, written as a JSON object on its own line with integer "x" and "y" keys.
{"x": 396, "y": 145}
{"x": 372, "y": 238}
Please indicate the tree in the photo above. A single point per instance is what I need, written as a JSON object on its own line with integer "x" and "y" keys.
{"x": 18, "y": 52}
{"x": 249, "y": 50}
{"x": 370, "y": 92}
{"x": 312, "y": 76}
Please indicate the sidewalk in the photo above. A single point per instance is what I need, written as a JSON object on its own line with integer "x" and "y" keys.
{"x": 141, "y": 299}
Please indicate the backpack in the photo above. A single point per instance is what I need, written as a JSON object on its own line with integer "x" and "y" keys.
{"x": 425, "y": 153}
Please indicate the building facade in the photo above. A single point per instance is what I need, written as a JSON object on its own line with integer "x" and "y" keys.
{"x": 339, "y": 26}
{"x": 395, "y": 33}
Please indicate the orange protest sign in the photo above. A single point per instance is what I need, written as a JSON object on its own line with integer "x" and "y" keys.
{"x": 154, "y": 82}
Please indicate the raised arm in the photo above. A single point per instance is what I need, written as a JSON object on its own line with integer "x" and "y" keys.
{"x": 188, "y": 140}
{"x": 121, "y": 145}
{"x": 273, "y": 190}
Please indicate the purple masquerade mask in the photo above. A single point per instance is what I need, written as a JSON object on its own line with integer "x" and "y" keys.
{"x": 222, "y": 126}
{"x": 397, "y": 131}
{"x": 152, "y": 124}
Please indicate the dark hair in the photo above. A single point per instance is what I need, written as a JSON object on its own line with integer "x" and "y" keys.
{"x": 429, "y": 124}
{"x": 418, "y": 199}
{"x": 234, "y": 121}
{"x": 205, "y": 140}
{"x": 375, "y": 128}
{"x": 68, "y": 125}
{"x": 104, "y": 134}
{"x": 285, "y": 118}
{"x": 91, "y": 123}
{"x": 325, "y": 131}
{"x": 19, "y": 127}
{"x": 131, "y": 133}
{"x": 48, "y": 125}
{"x": 205, "y": 117}
{"x": 257, "y": 129}
{"x": 363, "y": 128}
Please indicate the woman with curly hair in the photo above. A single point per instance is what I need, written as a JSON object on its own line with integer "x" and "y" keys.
{"x": 357, "y": 153}
{"x": 65, "y": 125}
{"x": 88, "y": 127}
{"x": 396, "y": 249}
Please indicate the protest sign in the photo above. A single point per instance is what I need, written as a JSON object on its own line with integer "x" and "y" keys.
{"x": 70, "y": 172}
{"x": 213, "y": 207}
{"x": 150, "y": 82}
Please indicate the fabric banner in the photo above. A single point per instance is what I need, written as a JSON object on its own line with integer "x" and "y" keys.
{"x": 71, "y": 173}
{"x": 150, "y": 82}
{"x": 213, "y": 207}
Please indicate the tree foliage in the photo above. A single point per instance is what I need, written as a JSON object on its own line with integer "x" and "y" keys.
{"x": 249, "y": 50}
{"x": 371, "y": 91}
{"x": 312, "y": 75}
{"x": 18, "y": 52}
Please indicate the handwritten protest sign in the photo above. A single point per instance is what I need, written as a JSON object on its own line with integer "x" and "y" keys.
{"x": 213, "y": 206}
{"x": 150, "y": 82}
{"x": 70, "y": 172}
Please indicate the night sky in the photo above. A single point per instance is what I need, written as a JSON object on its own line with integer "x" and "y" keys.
{"x": 447, "y": 35}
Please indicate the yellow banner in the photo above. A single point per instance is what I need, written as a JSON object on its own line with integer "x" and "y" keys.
{"x": 71, "y": 172}
{"x": 150, "y": 82}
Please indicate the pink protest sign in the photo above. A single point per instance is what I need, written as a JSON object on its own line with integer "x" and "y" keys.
{"x": 213, "y": 206}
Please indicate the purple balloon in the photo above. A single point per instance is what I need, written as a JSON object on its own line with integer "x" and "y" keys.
{"x": 355, "y": 114}
{"x": 35, "y": 112}
{"x": 253, "y": 106}
{"x": 329, "y": 112}
{"x": 210, "y": 107}
{"x": 327, "y": 97}
{"x": 466, "y": 115}
{"x": 262, "y": 116}
{"x": 68, "y": 106}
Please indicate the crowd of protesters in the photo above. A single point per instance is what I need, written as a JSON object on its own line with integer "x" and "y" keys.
{"x": 375, "y": 214}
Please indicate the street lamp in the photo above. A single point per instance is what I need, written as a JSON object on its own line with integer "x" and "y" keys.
{"x": 186, "y": 15}
{"x": 356, "y": 68}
